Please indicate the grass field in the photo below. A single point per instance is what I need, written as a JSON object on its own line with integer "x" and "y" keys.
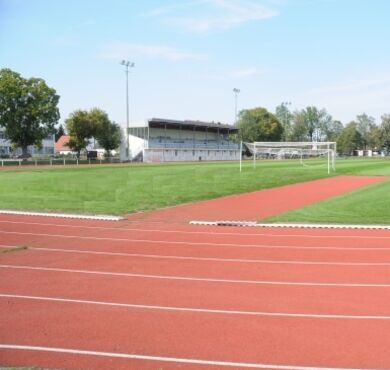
{"x": 125, "y": 189}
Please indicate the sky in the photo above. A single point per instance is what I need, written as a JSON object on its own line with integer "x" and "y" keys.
{"x": 190, "y": 54}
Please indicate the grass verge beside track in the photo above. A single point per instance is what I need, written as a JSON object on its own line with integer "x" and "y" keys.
{"x": 366, "y": 206}
{"x": 124, "y": 189}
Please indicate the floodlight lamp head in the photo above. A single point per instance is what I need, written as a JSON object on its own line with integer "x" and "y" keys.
{"x": 235, "y": 90}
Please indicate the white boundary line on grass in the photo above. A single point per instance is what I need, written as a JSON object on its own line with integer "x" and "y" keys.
{"x": 193, "y": 278}
{"x": 191, "y": 361}
{"x": 291, "y": 226}
{"x": 198, "y": 310}
{"x": 62, "y": 215}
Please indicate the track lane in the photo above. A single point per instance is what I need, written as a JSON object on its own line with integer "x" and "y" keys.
{"x": 290, "y": 273}
{"x": 263, "y": 340}
{"x": 197, "y": 294}
{"x": 348, "y": 238}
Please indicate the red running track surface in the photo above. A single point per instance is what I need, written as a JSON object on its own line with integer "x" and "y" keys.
{"x": 160, "y": 295}
{"x": 260, "y": 204}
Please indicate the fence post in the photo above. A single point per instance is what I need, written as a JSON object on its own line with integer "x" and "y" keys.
{"x": 64, "y": 161}
{"x": 20, "y": 162}
{"x": 77, "y": 161}
{"x": 89, "y": 160}
{"x": 35, "y": 162}
{"x": 2, "y": 163}
{"x": 51, "y": 162}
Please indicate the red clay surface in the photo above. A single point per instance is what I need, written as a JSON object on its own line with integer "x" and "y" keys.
{"x": 167, "y": 295}
{"x": 261, "y": 204}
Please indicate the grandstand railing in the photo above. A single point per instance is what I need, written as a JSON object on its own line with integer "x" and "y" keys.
{"x": 191, "y": 144}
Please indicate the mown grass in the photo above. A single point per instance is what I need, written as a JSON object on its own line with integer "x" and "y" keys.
{"x": 369, "y": 205}
{"x": 124, "y": 189}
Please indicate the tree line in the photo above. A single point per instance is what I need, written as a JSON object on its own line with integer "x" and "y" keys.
{"x": 314, "y": 124}
{"x": 29, "y": 113}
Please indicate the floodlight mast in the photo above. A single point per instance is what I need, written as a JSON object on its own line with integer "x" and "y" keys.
{"x": 236, "y": 92}
{"x": 128, "y": 65}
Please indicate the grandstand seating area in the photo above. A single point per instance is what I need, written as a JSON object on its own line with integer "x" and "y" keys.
{"x": 168, "y": 142}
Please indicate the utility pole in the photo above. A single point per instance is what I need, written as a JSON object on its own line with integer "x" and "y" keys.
{"x": 128, "y": 65}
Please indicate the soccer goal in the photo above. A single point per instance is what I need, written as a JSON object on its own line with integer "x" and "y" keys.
{"x": 308, "y": 153}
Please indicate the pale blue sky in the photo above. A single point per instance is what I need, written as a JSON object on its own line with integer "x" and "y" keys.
{"x": 190, "y": 54}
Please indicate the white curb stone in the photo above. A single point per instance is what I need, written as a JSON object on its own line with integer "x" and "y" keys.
{"x": 62, "y": 215}
{"x": 291, "y": 226}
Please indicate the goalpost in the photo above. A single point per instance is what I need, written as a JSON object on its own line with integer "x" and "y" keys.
{"x": 306, "y": 152}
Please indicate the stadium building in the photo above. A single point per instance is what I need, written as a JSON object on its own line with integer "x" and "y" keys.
{"x": 6, "y": 148}
{"x": 166, "y": 140}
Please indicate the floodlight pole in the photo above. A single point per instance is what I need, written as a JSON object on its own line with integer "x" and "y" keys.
{"x": 286, "y": 103}
{"x": 240, "y": 156}
{"x": 127, "y": 64}
{"x": 236, "y": 92}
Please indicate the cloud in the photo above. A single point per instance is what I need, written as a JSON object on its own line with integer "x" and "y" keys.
{"x": 211, "y": 15}
{"x": 122, "y": 50}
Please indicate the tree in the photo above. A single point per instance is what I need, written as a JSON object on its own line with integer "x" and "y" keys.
{"x": 316, "y": 122}
{"x": 350, "y": 139}
{"x": 385, "y": 128}
{"x": 374, "y": 138}
{"x": 107, "y": 133}
{"x": 311, "y": 124}
{"x": 59, "y": 132}
{"x": 81, "y": 129}
{"x": 258, "y": 124}
{"x": 298, "y": 128}
{"x": 84, "y": 125}
{"x": 333, "y": 130}
{"x": 364, "y": 123}
{"x": 285, "y": 117}
{"x": 28, "y": 109}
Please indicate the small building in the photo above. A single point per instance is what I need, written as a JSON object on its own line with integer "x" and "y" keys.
{"x": 6, "y": 148}
{"x": 166, "y": 140}
{"x": 61, "y": 146}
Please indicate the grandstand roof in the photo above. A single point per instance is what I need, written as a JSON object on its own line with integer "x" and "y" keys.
{"x": 190, "y": 125}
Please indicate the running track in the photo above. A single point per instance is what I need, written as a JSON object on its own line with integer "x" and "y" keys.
{"x": 154, "y": 295}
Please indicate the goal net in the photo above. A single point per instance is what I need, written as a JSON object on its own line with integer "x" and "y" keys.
{"x": 308, "y": 153}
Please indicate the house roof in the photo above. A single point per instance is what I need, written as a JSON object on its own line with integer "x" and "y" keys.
{"x": 61, "y": 144}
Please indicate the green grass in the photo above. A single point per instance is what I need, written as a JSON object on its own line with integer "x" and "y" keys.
{"x": 124, "y": 189}
{"x": 369, "y": 205}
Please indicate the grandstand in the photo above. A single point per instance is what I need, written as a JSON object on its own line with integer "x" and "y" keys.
{"x": 166, "y": 140}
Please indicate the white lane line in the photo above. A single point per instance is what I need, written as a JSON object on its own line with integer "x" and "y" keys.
{"x": 262, "y": 246}
{"x": 210, "y": 259}
{"x": 163, "y": 231}
{"x": 180, "y": 360}
{"x": 189, "y": 278}
{"x": 198, "y": 310}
